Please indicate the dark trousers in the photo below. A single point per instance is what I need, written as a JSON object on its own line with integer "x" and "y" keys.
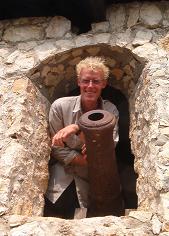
{"x": 65, "y": 206}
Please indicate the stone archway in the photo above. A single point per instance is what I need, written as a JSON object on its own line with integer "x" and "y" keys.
{"x": 58, "y": 78}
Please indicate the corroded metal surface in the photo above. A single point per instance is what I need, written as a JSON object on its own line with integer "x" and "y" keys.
{"x": 105, "y": 191}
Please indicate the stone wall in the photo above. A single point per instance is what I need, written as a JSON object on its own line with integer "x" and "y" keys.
{"x": 38, "y": 56}
{"x": 24, "y": 147}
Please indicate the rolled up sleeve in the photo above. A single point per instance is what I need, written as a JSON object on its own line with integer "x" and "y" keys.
{"x": 62, "y": 154}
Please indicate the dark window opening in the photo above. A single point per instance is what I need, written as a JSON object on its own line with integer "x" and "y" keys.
{"x": 65, "y": 206}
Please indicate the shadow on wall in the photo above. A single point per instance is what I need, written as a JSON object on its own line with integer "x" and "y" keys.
{"x": 81, "y": 13}
{"x": 125, "y": 158}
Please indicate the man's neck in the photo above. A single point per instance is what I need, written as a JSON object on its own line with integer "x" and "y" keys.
{"x": 90, "y": 106}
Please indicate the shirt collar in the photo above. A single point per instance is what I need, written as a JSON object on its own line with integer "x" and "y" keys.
{"x": 78, "y": 104}
{"x": 100, "y": 103}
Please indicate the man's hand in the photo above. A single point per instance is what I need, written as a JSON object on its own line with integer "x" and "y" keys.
{"x": 84, "y": 149}
{"x": 80, "y": 160}
{"x": 60, "y": 137}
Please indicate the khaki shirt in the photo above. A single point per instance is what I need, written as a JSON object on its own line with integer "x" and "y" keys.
{"x": 65, "y": 111}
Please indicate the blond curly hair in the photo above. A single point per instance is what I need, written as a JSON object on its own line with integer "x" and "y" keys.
{"x": 93, "y": 63}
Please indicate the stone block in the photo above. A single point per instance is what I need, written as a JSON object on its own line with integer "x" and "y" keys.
{"x": 23, "y": 33}
{"x": 150, "y": 15}
{"x": 58, "y": 27}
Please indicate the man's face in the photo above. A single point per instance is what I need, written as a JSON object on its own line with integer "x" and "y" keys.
{"x": 91, "y": 84}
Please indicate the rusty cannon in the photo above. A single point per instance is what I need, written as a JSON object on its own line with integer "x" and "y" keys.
{"x": 104, "y": 183}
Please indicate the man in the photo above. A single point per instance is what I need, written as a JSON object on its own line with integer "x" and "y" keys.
{"x": 67, "y": 147}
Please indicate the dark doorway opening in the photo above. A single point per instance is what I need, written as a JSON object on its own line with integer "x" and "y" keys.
{"x": 125, "y": 161}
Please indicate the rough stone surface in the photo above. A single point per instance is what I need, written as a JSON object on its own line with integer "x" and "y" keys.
{"x": 142, "y": 37}
{"x": 15, "y": 225}
{"x": 102, "y": 38}
{"x": 124, "y": 38}
{"x": 66, "y": 44}
{"x": 133, "y": 12}
{"x": 116, "y": 17}
{"x": 24, "y": 147}
{"x": 83, "y": 40}
{"x": 150, "y": 15}
{"x": 156, "y": 225}
{"x": 102, "y": 27}
{"x": 18, "y": 34}
{"x": 38, "y": 58}
{"x": 147, "y": 51}
{"x": 45, "y": 49}
{"x": 58, "y": 27}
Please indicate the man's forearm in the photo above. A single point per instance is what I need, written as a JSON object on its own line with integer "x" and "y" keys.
{"x": 60, "y": 137}
{"x": 64, "y": 155}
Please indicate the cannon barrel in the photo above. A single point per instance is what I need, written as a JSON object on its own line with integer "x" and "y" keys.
{"x": 104, "y": 183}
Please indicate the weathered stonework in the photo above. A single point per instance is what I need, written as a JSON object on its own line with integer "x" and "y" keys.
{"x": 38, "y": 57}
